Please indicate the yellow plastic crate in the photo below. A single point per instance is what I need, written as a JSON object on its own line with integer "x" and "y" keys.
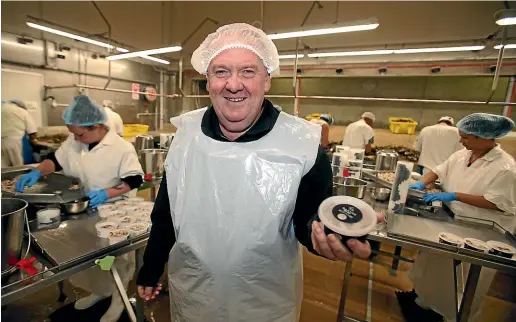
{"x": 313, "y": 116}
{"x": 406, "y": 127}
{"x": 135, "y": 129}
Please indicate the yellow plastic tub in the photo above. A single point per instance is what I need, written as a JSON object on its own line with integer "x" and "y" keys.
{"x": 402, "y": 125}
{"x": 135, "y": 129}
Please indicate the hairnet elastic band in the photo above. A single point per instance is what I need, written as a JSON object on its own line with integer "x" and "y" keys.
{"x": 231, "y": 46}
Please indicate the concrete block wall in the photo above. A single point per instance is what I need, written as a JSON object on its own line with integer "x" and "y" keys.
{"x": 434, "y": 87}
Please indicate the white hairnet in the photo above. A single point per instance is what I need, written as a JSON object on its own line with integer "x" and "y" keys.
{"x": 108, "y": 103}
{"x": 486, "y": 126}
{"x": 448, "y": 119}
{"x": 369, "y": 115}
{"x": 83, "y": 112}
{"x": 236, "y": 35}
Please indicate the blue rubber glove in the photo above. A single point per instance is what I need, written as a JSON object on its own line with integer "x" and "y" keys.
{"x": 28, "y": 180}
{"x": 440, "y": 196}
{"x": 97, "y": 197}
{"x": 417, "y": 186}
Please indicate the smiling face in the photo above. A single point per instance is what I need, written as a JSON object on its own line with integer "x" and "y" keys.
{"x": 237, "y": 83}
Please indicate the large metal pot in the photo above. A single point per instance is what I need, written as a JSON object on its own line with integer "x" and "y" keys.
{"x": 386, "y": 160}
{"x": 143, "y": 141}
{"x": 152, "y": 161}
{"x": 13, "y": 221}
{"x": 345, "y": 186}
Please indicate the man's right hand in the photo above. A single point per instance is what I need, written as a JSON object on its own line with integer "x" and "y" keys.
{"x": 148, "y": 293}
{"x": 28, "y": 179}
{"x": 417, "y": 186}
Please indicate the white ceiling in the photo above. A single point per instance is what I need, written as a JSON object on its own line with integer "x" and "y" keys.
{"x": 152, "y": 24}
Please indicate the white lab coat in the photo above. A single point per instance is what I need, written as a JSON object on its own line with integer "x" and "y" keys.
{"x": 492, "y": 176}
{"x": 236, "y": 257}
{"x": 101, "y": 168}
{"x": 436, "y": 143}
{"x": 358, "y": 134}
{"x": 16, "y": 123}
{"x": 114, "y": 121}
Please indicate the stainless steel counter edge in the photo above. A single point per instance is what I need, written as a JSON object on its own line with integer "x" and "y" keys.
{"x": 384, "y": 236}
{"x": 59, "y": 275}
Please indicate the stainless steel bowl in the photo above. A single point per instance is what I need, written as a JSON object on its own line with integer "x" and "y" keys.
{"x": 76, "y": 206}
{"x": 381, "y": 194}
{"x": 345, "y": 186}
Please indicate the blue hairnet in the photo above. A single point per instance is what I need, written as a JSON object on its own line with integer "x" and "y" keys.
{"x": 19, "y": 103}
{"x": 329, "y": 119}
{"x": 83, "y": 112}
{"x": 486, "y": 126}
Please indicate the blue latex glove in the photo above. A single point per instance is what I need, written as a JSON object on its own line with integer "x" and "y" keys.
{"x": 440, "y": 196}
{"x": 97, "y": 197}
{"x": 28, "y": 180}
{"x": 417, "y": 186}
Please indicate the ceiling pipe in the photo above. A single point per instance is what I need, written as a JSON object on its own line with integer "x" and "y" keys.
{"x": 109, "y": 40}
{"x": 180, "y": 63}
{"x": 498, "y": 65}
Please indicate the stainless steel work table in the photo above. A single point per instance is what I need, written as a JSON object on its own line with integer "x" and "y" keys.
{"x": 421, "y": 234}
{"x": 70, "y": 247}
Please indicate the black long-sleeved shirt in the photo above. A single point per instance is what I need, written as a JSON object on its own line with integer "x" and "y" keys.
{"x": 315, "y": 186}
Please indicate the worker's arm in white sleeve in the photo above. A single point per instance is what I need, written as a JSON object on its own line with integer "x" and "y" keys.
{"x": 502, "y": 191}
{"x": 129, "y": 167}
{"x": 441, "y": 171}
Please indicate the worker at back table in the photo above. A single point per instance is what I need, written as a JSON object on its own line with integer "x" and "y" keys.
{"x": 114, "y": 121}
{"x": 437, "y": 142}
{"x": 360, "y": 134}
{"x": 16, "y": 124}
{"x": 325, "y": 120}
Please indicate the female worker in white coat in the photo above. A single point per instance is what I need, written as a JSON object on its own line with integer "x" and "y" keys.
{"x": 107, "y": 167}
{"x": 479, "y": 182}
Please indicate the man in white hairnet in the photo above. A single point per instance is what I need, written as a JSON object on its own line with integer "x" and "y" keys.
{"x": 16, "y": 124}
{"x": 360, "y": 134}
{"x": 114, "y": 121}
{"x": 437, "y": 142}
{"x": 243, "y": 184}
{"x": 478, "y": 182}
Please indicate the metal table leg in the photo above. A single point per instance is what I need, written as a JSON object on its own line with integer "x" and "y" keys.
{"x": 395, "y": 261}
{"x": 469, "y": 293}
{"x": 456, "y": 263}
{"x": 140, "y": 309}
{"x": 62, "y": 295}
{"x": 123, "y": 294}
{"x": 343, "y": 294}
{"x": 153, "y": 193}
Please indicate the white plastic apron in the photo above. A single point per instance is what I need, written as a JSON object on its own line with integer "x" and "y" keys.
{"x": 236, "y": 257}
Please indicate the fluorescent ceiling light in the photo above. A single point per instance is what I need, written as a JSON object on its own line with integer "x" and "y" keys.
{"x": 90, "y": 41}
{"x": 505, "y": 17}
{"x": 156, "y": 59}
{"x": 291, "y": 56}
{"x": 69, "y": 35}
{"x": 323, "y": 31}
{"x": 24, "y": 46}
{"x": 352, "y": 53}
{"x": 398, "y": 51}
{"x": 437, "y": 50}
{"x": 508, "y": 46}
{"x": 146, "y": 52}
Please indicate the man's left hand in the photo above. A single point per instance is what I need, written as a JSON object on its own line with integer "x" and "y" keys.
{"x": 331, "y": 247}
